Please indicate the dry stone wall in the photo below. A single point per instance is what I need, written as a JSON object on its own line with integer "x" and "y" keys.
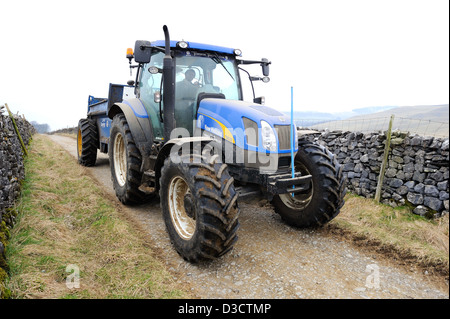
{"x": 417, "y": 170}
{"x": 11, "y": 174}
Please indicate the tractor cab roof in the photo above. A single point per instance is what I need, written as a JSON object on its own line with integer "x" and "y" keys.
{"x": 195, "y": 46}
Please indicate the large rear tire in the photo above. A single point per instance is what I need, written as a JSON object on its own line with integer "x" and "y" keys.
{"x": 324, "y": 199}
{"x": 87, "y": 142}
{"x": 125, "y": 162}
{"x": 199, "y": 205}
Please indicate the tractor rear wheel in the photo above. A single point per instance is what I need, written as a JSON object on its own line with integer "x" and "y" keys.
{"x": 199, "y": 205}
{"x": 125, "y": 163}
{"x": 87, "y": 142}
{"x": 322, "y": 202}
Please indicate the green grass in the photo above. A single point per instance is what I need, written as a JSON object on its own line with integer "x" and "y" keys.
{"x": 397, "y": 231}
{"x": 65, "y": 218}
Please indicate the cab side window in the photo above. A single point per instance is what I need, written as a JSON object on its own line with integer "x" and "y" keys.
{"x": 149, "y": 84}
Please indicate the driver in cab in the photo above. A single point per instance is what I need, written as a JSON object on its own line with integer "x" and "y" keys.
{"x": 186, "y": 90}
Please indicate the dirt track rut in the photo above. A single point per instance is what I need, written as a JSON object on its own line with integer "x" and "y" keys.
{"x": 273, "y": 260}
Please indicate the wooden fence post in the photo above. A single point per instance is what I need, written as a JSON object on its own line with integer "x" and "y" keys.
{"x": 385, "y": 161}
{"x": 17, "y": 130}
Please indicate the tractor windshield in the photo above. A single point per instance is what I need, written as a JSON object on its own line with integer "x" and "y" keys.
{"x": 200, "y": 72}
{"x": 206, "y": 72}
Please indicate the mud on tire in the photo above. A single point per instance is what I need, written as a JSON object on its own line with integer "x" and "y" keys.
{"x": 326, "y": 197}
{"x": 199, "y": 205}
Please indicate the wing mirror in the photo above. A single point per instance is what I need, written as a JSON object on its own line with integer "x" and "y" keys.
{"x": 142, "y": 51}
{"x": 265, "y": 66}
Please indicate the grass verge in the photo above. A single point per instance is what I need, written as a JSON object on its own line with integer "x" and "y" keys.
{"x": 65, "y": 224}
{"x": 396, "y": 233}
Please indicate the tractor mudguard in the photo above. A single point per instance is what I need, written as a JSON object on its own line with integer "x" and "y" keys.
{"x": 173, "y": 146}
{"x": 138, "y": 121}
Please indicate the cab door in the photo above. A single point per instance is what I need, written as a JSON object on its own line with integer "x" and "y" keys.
{"x": 149, "y": 85}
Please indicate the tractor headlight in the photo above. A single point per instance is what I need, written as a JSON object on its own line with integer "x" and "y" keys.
{"x": 269, "y": 140}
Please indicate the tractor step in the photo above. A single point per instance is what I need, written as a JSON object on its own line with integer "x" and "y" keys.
{"x": 147, "y": 189}
{"x": 248, "y": 191}
{"x": 148, "y": 182}
{"x": 150, "y": 173}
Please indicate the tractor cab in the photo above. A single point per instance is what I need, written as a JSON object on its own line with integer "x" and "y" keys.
{"x": 200, "y": 71}
{"x": 198, "y": 74}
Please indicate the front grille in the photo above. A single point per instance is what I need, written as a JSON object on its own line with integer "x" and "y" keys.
{"x": 284, "y": 136}
{"x": 284, "y": 162}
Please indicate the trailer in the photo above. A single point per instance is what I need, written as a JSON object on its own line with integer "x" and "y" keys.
{"x": 94, "y": 131}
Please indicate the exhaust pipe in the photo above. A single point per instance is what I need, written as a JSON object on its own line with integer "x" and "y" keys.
{"x": 167, "y": 41}
{"x": 169, "y": 88}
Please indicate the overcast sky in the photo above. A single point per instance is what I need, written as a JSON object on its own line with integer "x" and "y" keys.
{"x": 338, "y": 55}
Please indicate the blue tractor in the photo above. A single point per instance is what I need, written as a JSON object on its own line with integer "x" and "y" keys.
{"x": 182, "y": 131}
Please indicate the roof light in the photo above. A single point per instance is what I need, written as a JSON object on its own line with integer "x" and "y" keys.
{"x": 182, "y": 44}
{"x": 129, "y": 53}
{"x": 238, "y": 52}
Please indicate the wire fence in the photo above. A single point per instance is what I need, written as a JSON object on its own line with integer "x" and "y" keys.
{"x": 380, "y": 124}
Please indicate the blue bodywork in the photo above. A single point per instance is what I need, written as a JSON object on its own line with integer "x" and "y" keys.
{"x": 223, "y": 118}
{"x": 215, "y": 114}
{"x": 196, "y": 46}
{"x": 98, "y": 111}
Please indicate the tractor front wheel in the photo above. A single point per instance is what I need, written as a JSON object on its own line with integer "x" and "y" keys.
{"x": 322, "y": 202}
{"x": 199, "y": 205}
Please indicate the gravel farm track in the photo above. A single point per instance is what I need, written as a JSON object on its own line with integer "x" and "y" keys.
{"x": 273, "y": 260}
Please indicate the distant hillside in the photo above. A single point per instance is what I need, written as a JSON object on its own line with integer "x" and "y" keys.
{"x": 373, "y": 109}
{"x": 421, "y": 119}
{"x": 68, "y": 130}
{"x": 307, "y": 118}
{"x": 437, "y": 113}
